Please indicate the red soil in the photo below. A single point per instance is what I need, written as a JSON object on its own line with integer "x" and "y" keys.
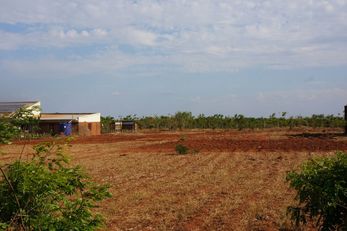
{"x": 220, "y": 141}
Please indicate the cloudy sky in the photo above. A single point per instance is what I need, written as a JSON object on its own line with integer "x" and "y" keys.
{"x": 121, "y": 57}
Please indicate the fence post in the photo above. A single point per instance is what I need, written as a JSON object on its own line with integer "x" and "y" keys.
{"x": 346, "y": 119}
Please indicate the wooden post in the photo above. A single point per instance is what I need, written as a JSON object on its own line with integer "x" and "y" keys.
{"x": 346, "y": 119}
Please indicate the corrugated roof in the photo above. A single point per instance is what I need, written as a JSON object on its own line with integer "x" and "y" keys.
{"x": 9, "y": 107}
{"x": 69, "y": 113}
{"x": 62, "y": 116}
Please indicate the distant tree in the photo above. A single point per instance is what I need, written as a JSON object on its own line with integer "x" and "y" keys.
{"x": 183, "y": 119}
{"x": 107, "y": 123}
{"x": 240, "y": 121}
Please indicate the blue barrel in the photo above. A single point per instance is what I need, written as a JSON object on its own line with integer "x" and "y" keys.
{"x": 66, "y": 128}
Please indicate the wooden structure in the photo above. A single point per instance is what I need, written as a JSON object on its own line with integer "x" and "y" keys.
{"x": 83, "y": 124}
{"x": 125, "y": 126}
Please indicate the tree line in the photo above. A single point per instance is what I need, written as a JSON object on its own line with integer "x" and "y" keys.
{"x": 186, "y": 120}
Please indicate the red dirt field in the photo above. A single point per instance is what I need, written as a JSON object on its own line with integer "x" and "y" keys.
{"x": 222, "y": 140}
{"x": 229, "y": 180}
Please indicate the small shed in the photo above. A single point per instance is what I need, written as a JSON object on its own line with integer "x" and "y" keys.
{"x": 125, "y": 126}
{"x": 83, "y": 124}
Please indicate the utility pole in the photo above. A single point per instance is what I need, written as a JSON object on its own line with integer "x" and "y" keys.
{"x": 346, "y": 120}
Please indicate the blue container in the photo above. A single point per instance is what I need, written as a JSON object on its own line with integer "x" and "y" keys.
{"x": 66, "y": 128}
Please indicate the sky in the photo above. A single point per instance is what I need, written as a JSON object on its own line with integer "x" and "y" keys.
{"x": 157, "y": 57}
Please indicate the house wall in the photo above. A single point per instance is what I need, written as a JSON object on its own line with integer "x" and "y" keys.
{"x": 130, "y": 126}
{"x": 49, "y": 128}
{"x": 89, "y": 128}
{"x": 89, "y": 125}
{"x": 91, "y": 118}
{"x": 83, "y": 124}
{"x": 82, "y": 129}
{"x": 125, "y": 126}
{"x": 118, "y": 126}
{"x": 53, "y": 128}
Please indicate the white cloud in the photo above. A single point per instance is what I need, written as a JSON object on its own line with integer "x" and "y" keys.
{"x": 99, "y": 32}
{"x": 197, "y": 36}
{"x": 136, "y": 36}
{"x": 73, "y": 34}
{"x": 53, "y": 37}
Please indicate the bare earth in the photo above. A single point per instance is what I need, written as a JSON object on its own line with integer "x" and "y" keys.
{"x": 230, "y": 180}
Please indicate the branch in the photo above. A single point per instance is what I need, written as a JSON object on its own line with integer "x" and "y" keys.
{"x": 342, "y": 206}
{"x": 14, "y": 194}
{"x": 21, "y": 153}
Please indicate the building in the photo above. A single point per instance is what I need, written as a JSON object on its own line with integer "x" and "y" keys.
{"x": 126, "y": 126}
{"x": 83, "y": 124}
{"x": 8, "y": 109}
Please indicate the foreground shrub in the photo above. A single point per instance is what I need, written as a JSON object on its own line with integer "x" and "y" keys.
{"x": 321, "y": 192}
{"x": 7, "y": 131}
{"x": 45, "y": 193}
{"x": 181, "y": 149}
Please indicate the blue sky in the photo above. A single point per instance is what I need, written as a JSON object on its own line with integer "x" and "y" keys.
{"x": 158, "y": 57}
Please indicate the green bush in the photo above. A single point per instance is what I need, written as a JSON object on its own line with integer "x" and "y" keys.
{"x": 321, "y": 187}
{"x": 45, "y": 193}
{"x": 7, "y": 131}
{"x": 17, "y": 125}
{"x": 181, "y": 149}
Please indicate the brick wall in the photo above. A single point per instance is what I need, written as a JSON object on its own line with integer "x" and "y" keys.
{"x": 89, "y": 129}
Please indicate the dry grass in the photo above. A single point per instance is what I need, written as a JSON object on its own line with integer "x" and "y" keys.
{"x": 209, "y": 190}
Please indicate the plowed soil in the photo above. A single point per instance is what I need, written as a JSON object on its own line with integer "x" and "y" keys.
{"x": 229, "y": 180}
{"x": 222, "y": 140}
